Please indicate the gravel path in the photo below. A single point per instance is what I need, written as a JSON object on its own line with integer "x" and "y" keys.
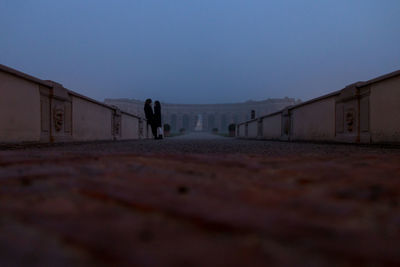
{"x": 199, "y": 200}
{"x": 200, "y": 143}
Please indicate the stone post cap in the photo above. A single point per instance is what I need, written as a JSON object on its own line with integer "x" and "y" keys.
{"x": 58, "y": 91}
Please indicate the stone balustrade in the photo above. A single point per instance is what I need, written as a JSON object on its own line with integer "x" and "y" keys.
{"x": 34, "y": 110}
{"x": 363, "y": 112}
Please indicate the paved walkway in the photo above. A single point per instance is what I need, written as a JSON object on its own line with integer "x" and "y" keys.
{"x": 199, "y": 201}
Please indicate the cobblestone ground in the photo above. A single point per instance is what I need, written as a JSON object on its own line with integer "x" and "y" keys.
{"x": 199, "y": 202}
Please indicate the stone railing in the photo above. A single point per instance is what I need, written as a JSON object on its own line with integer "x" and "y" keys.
{"x": 363, "y": 112}
{"x": 34, "y": 110}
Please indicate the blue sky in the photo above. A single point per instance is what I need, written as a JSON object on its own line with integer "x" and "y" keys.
{"x": 201, "y": 51}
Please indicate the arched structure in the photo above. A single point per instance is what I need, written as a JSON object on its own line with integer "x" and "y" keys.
{"x": 218, "y": 116}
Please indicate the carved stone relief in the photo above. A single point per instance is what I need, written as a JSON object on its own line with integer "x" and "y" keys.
{"x": 117, "y": 125}
{"x": 58, "y": 118}
{"x": 339, "y": 122}
{"x": 350, "y": 119}
{"x": 352, "y": 114}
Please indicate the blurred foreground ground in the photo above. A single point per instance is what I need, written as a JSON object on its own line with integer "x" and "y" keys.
{"x": 210, "y": 201}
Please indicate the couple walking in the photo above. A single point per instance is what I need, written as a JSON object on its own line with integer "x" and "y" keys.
{"x": 154, "y": 118}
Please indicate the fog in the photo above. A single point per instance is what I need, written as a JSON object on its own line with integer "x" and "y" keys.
{"x": 201, "y": 51}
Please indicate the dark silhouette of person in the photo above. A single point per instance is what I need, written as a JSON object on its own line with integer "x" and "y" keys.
{"x": 148, "y": 112}
{"x": 157, "y": 118}
{"x": 253, "y": 114}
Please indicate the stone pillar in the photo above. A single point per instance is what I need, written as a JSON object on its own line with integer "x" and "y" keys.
{"x": 174, "y": 123}
{"x": 179, "y": 122}
{"x": 211, "y": 121}
{"x": 141, "y": 129}
{"x": 260, "y": 129}
{"x": 205, "y": 122}
{"x": 193, "y": 121}
{"x": 352, "y": 114}
{"x": 286, "y": 125}
{"x": 189, "y": 123}
{"x": 253, "y": 114}
{"x": 186, "y": 122}
{"x": 224, "y": 123}
{"x": 45, "y": 113}
{"x": 218, "y": 121}
{"x": 116, "y": 123}
{"x": 56, "y": 113}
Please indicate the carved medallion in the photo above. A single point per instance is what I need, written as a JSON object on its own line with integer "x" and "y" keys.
{"x": 58, "y": 118}
{"x": 350, "y": 120}
{"x": 117, "y": 125}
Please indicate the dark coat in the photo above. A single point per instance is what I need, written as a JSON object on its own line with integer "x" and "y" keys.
{"x": 157, "y": 115}
{"x": 148, "y": 112}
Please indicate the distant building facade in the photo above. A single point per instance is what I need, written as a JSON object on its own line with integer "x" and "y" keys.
{"x": 206, "y": 117}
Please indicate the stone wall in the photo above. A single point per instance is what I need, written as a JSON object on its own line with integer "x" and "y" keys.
{"x": 314, "y": 121}
{"x": 34, "y": 110}
{"x": 272, "y": 126}
{"x": 384, "y": 104}
{"x": 129, "y": 126}
{"x": 91, "y": 121}
{"x": 19, "y": 109}
{"x": 363, "y": 112}
{"x": 252, "y": 129}
{"x": 241, "y": 130}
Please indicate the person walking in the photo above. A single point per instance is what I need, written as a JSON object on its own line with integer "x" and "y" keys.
{"x": 157, "y": 119}
{"x": 148, "y": 112}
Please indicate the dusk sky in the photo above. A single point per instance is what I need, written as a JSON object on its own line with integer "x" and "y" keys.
{"x": 201, "y": 51}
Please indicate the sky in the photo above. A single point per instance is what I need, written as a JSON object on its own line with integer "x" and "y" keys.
{"x": 201, "y": 51}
